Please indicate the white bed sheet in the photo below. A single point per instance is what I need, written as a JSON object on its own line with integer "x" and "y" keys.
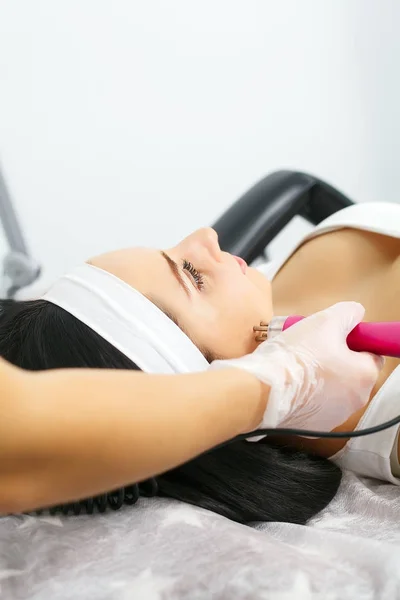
{"x": 164, "y": 550}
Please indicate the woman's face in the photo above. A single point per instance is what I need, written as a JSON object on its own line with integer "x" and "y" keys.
{"x": 213, "y": 296}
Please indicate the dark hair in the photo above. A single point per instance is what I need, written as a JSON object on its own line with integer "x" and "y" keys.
{"x": 242, "y": 481}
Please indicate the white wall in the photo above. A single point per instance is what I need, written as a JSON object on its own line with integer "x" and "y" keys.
{"x": 127, "y": 123}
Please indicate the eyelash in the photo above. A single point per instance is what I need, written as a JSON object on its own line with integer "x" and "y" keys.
{"x": 187, "y": 266}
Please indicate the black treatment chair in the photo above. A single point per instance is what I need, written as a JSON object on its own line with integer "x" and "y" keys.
{"x": 252, "y": 222}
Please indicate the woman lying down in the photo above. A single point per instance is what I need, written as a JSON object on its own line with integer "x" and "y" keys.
{"x": 178, "y": 309}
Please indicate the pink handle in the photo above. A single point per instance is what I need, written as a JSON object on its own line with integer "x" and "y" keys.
{"x": 378, "y": 338}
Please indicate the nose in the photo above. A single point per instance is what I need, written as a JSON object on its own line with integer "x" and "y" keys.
{"x": 209, "y": 239}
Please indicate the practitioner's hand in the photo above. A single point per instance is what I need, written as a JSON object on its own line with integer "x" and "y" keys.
{"x": 316, "y": 381}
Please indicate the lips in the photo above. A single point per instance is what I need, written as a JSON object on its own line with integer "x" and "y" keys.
{"x": 242, "y": 264}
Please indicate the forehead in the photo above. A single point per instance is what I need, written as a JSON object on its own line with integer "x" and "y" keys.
{"x": 145, "y": 269}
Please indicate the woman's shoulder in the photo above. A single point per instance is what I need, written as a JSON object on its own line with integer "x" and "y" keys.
{"x": 377, "y": 217}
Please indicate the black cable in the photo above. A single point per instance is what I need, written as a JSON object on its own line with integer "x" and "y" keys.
{"x": 317, "y": 434}
{"x": 130, "y": 494}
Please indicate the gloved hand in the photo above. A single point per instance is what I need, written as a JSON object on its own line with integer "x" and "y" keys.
{"x": 316, "y": 381}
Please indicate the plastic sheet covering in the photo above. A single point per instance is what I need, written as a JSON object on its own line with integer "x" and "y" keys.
{"x": 164, "y": 549}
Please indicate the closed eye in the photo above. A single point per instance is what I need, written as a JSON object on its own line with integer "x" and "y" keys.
{"x": 197, "y": 277}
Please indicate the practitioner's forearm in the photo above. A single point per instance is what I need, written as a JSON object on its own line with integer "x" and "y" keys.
{"x": 78, "y": 433}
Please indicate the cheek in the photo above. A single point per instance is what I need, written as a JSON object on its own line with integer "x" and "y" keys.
{"x": 229, "y": 313}
{"x": 248, "y": 297}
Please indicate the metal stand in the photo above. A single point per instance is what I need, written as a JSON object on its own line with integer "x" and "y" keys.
{"x": 19, "y": 268}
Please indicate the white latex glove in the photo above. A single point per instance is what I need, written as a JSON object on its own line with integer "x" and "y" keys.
{"x": 316, "y": 381}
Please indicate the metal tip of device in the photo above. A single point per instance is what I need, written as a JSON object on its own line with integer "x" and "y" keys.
{"x": 262, "y": 331}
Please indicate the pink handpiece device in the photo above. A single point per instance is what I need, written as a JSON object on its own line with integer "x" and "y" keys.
{"x": 379, "y": 338}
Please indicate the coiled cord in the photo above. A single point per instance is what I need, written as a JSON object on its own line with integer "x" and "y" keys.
{"x": 114, "y": 500}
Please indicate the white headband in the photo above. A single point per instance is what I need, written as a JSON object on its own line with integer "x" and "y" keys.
{"x": 127, "y": 320}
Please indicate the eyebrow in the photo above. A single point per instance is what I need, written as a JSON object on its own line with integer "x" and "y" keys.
{"x": 176, "y": 273}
